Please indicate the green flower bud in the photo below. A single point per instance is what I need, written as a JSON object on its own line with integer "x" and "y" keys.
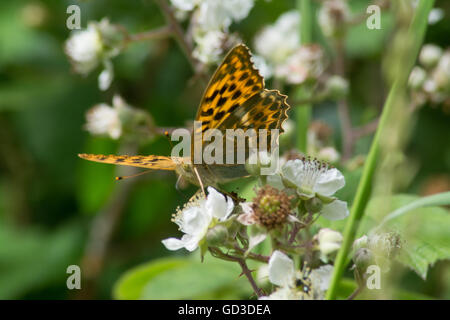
{"x": 217, "y": 235}
{"x": 313, "y": 205}
{"x": 336, "y": 87}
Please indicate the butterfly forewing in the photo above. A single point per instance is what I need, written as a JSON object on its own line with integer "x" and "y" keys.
{"x": 149, "y": 162}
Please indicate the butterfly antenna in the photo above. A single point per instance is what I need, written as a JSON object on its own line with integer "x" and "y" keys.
{"x": 133, "y": 175}
{"x": 166, "y": 133}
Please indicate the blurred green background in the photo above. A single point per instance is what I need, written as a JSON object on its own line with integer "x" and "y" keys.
{"x": 49, "y": 198}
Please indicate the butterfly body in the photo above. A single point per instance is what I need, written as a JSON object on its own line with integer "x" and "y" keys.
{"x": 235, "y": 98}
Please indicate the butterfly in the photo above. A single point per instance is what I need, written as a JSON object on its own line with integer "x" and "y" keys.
{"x": 235, "y": 98}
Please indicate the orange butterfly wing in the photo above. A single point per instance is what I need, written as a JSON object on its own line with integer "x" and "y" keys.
{"x": 149, "y": 162}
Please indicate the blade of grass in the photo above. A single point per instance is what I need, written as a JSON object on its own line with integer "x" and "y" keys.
{"x": 303, "y": 112}
{"x": 416, "y": 33}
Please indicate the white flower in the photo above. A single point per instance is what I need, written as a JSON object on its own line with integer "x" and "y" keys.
{"x": 277, "y": 42}
{"x": 103, "y": 119}
{"x": 209, "y": 45}
{"x": 436, "y": 15}
{"x": 332, "y": 15}
{"x": 264, "y": 69}
{"x": 296, "y": 285}
{"x": 185, "y": 5}
{"x": 84, "y": 48}
{"x": 194, "y": 221}
{"x": 313, "y": 177}
{"x": 430, "y": 55}
{"x": 328, "y": 154}
{"x": 305, "y": 63}
{"x": 417, "y": 77}
{"x": 329, "y": 241}
{"x": 106, "y": 76}
{"x": 281, "y": 269}
{"x": 218, "y": 14}
{"x": 441, "y": 74}
{"x": 94, "y": 46}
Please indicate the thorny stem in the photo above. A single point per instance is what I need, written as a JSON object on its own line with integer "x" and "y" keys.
{"x": 357, "y": 291}
{"x": 253, "y": 256}
{"x": 158, "y": 33}
{"x": 245, "y": 270}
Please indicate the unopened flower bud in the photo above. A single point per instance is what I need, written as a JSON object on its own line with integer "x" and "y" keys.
{"x": 417, "y": 78}
{"x": 313, "y": 205}
{"x": 363, "y": 258}
{"x": 430, "y": 55}
{"x": 256, "y": 161}
{"x": 329, "y": 241}
{"x": 362, "y": 242}
{"x": 217, "y": 235}
{"x": 336, "y": 87}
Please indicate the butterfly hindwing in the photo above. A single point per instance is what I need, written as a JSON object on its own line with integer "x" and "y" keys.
{"x": 149, "y": 162}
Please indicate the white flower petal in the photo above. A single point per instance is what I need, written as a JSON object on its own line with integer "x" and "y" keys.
{"x": 255, "y": 240}
{"x": 292, "y": 171}
{"x": 247, "y": 218}
{"x": 195, "y": 221}
{"x": 173, "y": 243}
{"x": 321, "y": 277}
{"x": 106, "y": 77}
{"x": 217, "y": 205}
{"x": 329, "y": 182}
{"x": 335, "y": 210}
{"x": 281, "y": 269}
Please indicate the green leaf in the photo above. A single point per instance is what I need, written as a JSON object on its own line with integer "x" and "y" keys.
{"x": 131, "y": 284}
{"x": 176, "y": 278}
{"x": 31, "y": 259}
{"x": 423, "y": 228}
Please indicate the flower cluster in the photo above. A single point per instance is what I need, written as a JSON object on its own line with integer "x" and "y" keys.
{"x": 285, "y": 208}
{"x": 430, "y": 81}
{"x": 210, "y": 21}
{"x": 281, "y": 55}
{"x": 94, "y": 46}
{"x": 113, "y": 121}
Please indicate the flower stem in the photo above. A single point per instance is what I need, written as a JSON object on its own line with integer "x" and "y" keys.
{"x": 303, "y": 112}
{"x": 416, "y": 32}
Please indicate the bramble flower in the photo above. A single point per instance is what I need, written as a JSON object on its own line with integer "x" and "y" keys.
{"x": 296, "y": 285}
{"x": 271, "y": 207}
{"x": 329, "y": 241}
{"x": 275, "y": 43}
{"x": 305, "y": 63}
{"x": 314, "y": 179}
{"x": 263, "y": 68}
{"x": 197, "y": 218}
{"x": 429, "y": 55}
{"x": 328, "y": 154}
{"x": 210, "y": 22}
{"x": 94, "y": 46}
{"x": 332, "y": 17}
{"x": 218, "y": 14}
{"x": 103, "y": 119}
{"x": 336, "y": 87}
{"x": 417, "y": 77}
{"x": 209, "y": 45}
